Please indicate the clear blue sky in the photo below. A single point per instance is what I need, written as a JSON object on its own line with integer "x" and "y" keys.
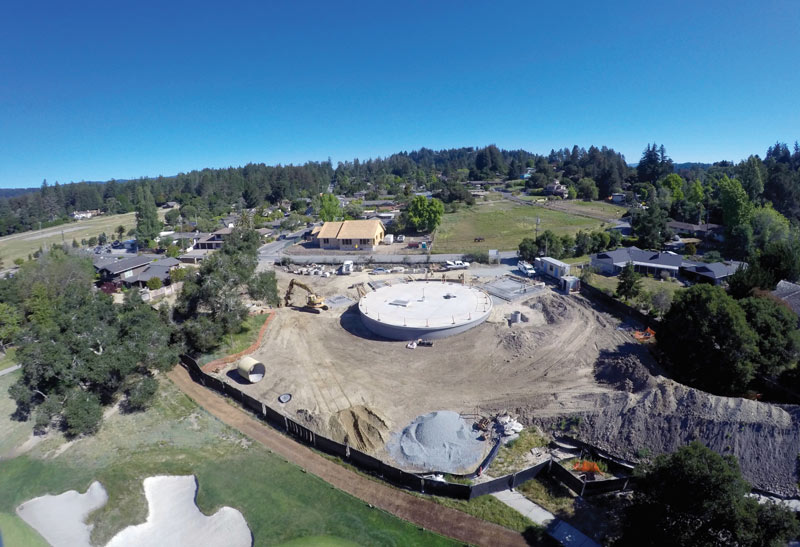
{"x": 90, "y": 91}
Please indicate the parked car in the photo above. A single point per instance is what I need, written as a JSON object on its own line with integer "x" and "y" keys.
{"x": 401, "y": 238}
{"x": 379, "y": 271}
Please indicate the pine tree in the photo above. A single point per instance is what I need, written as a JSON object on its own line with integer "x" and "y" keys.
{"x": 629, "y": 282}
{"x": 147, "y": 224}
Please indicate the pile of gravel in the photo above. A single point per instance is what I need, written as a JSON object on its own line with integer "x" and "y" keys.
{"x": 440, "y": 441}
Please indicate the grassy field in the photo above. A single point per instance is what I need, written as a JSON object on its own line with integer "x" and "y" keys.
{"x": 600, "y": 208}
{"x": 280, "y": 502}
{"x": 511, "y": 456}
{"x": 651, "y": 284}
{"x": 15, "y": 532}
{"x": 9, "y": 359}
{"x": 502, "y": 225}
{"x": 25, "y": 243}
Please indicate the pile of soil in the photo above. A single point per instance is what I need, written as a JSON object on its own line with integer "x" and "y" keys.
{"x": 360, "y": 427}
{"x": 764, "y": 438}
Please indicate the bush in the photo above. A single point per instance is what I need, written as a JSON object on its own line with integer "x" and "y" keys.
{"x": 141, "y": 394}
{"x": 481, "y": 257}
{"x": 82, "y": 413}
{"x": 154, "y": 283}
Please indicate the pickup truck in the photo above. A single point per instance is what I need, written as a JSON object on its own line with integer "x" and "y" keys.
{"x": 456, "y": 265}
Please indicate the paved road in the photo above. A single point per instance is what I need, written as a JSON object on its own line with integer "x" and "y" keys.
{"x": 427, "y": 514}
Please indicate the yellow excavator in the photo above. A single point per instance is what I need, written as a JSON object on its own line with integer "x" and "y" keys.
{"x": 313, "y": 304}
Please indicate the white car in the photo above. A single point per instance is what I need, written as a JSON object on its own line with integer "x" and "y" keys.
{"x": 401, "y": 238}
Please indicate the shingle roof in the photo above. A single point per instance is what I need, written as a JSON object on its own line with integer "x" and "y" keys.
{"x": 162, "y": 272}
{"x": 639, "y": 256}
{"x": 125, "y": 264}
{"x": 715, "y": 270}
{"x": 789, "y": 293}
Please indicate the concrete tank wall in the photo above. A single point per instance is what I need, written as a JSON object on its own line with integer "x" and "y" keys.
{"x": 398, "y": 332}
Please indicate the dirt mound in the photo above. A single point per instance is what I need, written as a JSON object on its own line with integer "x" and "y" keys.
{"x": 360, "y": 427}
{"x": 552, "y": 307}
{"x": 623, "y": 371}
{"x": 764, "y": 438}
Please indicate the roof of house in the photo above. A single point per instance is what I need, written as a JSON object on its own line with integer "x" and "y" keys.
{"x": 715, "y": 270}
{"x": 554, "y": 261}
{"x": 154, "y": 270}
{"x": 168, "y": 262}
{"x": 640, "y": 257}
{"x": 360, "y": 229}
{"x": 350, "y": 229}
{"x": 675, "y": 225}
{"x": 329, "y": 230}
{"x": 789, "y": 293}
{"x": 118, "y": 266}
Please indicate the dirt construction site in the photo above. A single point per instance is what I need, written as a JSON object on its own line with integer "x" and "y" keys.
{"x": 568, "y": 361}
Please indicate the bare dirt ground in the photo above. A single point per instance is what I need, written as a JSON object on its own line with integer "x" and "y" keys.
{"x": 568, "y": 364}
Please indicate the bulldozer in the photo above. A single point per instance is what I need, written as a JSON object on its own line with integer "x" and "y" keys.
{"x": 313, "y": 303}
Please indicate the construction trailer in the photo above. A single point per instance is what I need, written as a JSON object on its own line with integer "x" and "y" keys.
{"x": 551, "y": 267}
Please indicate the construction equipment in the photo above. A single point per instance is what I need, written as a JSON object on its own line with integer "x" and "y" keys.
{"x": 313, "y": 302}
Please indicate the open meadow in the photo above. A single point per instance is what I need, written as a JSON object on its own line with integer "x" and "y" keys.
{"x": 503, "y": 225}
{"x": 22, "y": 244}
{"x": 280, "y": 502}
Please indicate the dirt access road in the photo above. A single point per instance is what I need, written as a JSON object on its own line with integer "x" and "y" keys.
{"x": 424, "y": 513}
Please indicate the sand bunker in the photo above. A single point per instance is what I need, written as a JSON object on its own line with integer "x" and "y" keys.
{"x": 174, "y": 519}
{"x": 439, "y": 441}
{"x": 61, "y": 519}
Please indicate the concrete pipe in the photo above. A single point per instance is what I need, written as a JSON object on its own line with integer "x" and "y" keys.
{"x": 251, "y": 370}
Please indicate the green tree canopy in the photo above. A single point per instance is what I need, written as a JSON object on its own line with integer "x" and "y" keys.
{"x": 424, "y": 214}
{"x": 329, "y": 208}
{"x": 650, "y": 226}
{"x": 628, "y": 282}
{"x": 148, "y": 225}
{"x": 778, "y": 339}
{"x": 708, "y": 341}
{"x": 736, "y": 206}
{"x": 697, "y": 497}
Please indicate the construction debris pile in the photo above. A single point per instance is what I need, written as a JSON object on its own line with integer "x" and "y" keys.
{"x": 439, "y": 441}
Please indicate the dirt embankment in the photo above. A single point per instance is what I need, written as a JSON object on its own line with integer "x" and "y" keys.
{"x": 651, "y": 415}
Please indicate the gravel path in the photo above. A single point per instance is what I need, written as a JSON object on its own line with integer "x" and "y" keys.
{"x": 424, "y": 513}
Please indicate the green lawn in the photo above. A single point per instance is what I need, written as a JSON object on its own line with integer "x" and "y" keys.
{"x": 25, "y": 243}
{"x": 601, "y": 207}
{"x": 9, "y": 359}
{"x": 280, "y": 502}
{"x": 511, "y": 456}
{"x": 502, "y": 225}
{"x": 239, "y": 341}
{"x": 15, "y": 532}
{"x": 651, "y": 284}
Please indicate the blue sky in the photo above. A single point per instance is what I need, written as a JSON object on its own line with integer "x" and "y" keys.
{"x": 91, "y": 91}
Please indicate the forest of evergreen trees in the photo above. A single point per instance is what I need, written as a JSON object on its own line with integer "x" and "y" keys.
{"x": 593, "y": 173}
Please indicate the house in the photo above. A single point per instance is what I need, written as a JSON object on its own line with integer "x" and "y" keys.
{"x": 214, "y": 240}
{"x": 187, "y": 240}
{"x": 556, "y": 189}
{"x": 789, "y": 293}
{"x": 79, "y": 215}
{"x": 113, "y": 270}
{"x": 703, "y": 231}
{"x": 351, "y": 235}
{"x": 646, "y": 262}
{"x": 623, "y": 227}
{"x": 551, "y": 267}
{"x": 195, "y": 256}
{"x": 160, "y": 268}
{"x": 714, "y": 273}
{"x": 617, "y": 197}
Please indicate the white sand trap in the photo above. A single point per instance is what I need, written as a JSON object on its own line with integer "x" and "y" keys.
{"x": 61, "y": 519}
{"x": 173, "y": 519}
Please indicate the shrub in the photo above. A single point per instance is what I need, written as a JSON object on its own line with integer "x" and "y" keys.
{"x": 481, "y": 257}
{"x": 154, "y": 283}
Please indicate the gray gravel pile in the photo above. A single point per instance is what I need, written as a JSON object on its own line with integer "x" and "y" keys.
{"x": 440, "y": 441}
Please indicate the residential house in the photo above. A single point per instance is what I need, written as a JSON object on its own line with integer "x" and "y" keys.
{"x": 618, "y": 197}
{"x": 160, "y": 268}
{"x": 115, "y": 271}
{"x": 79, "y": 215}
{"x": 646, "y": 262}
{"x": 214, "y": 240}
{"x": 351, "y": 235}
{"x": 702, "y": 231}
{"x": 556, "y": 189}
{"x": 789, "y": 293}
{"x": 714, "y": 273}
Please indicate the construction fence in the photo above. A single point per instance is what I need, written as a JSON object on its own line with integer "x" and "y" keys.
{"x": 387, "y": 472}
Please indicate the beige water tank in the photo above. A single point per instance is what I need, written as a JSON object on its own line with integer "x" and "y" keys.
{"x": 251, "y": 370}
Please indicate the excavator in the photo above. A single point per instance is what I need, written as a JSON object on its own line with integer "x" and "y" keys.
{"x": 313, "y": 304}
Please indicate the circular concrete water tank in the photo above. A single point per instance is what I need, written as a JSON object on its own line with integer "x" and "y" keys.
{"x": 423, "y": 309}
{"x": 251, "y": 370}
